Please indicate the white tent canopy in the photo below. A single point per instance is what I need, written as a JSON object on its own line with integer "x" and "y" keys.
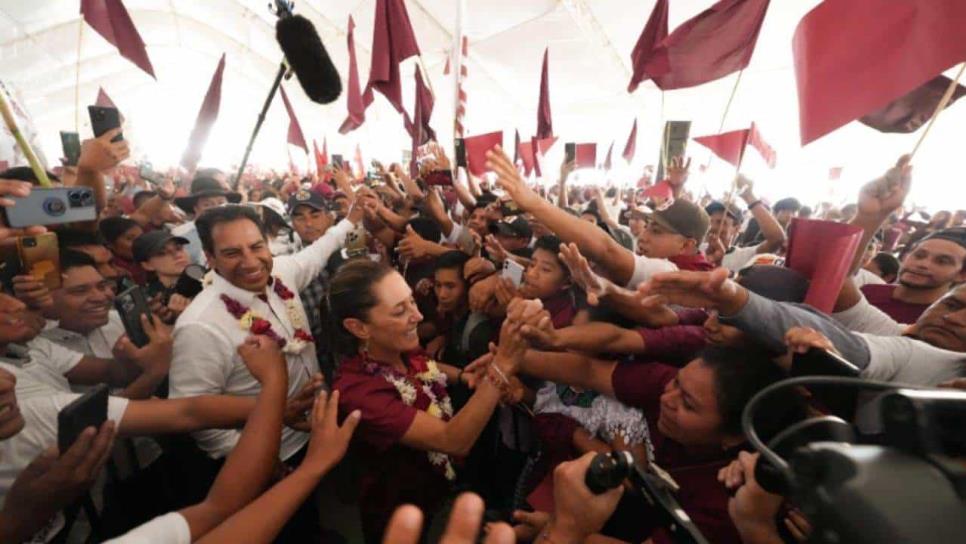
{"x": 57, "y": 64}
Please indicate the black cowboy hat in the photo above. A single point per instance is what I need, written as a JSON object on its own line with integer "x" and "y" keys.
{"x": 202, "y": 187}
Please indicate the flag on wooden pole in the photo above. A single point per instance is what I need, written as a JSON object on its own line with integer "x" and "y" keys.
{"x": 111, "y": 20}
{"x": 207, "y": 116}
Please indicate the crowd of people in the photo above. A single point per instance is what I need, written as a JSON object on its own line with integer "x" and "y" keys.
{"x": 431, "y": 358}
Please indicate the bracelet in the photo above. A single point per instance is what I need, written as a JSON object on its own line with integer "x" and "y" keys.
{"x": 753, "y": 204}
{"x": 500, "y": 373}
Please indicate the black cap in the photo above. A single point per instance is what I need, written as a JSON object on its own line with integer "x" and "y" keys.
{"x": 718, "y": 207}
{"x": 517, "y": 227}
{"x": 303, "y": 197}
{"x": 151, "y": 243}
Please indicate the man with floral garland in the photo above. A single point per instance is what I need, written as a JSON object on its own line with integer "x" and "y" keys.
{"x": 250, "y": 292}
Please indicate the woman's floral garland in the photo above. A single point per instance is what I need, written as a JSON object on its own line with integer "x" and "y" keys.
{"x": 433, "y": 384}
{"x": 253, "y": 323}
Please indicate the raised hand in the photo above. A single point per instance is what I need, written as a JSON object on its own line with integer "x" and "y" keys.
{"x": 297, "y": 408}
{"x": 100, "y": 154}
{"x": 32, "y": 292}
{"x": 566, "y": 168}
{"x": 698, "y": 290}
{"x": 405, "y": 527}
{"x": 413, "y": 246}
{"x": 495, "y": 249}
{"x": 879, "y": 198}
{"x": 677, "y": 172}
{"x": 329, "y": 441}
{"x": 802, "y": 339}
{"x": 263, "y": 358}
{"x": 509, "y": 179}
{"x": 153, "y": 357}
{"x": 595, "y": 286}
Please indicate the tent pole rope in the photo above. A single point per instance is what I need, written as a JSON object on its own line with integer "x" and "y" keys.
{"x": 80, "y": 40}
{"x": 939, "y": 108}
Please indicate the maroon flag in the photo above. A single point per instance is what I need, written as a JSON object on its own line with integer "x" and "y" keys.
{"x": 103, "y": 100}
{"x": 476, "y": 148}
{"x": 717, "y": 42}
{"x": 539, "y": 146}
{"x": 655, "y": 31}
{"x": 206, "y": 119}
{"x": 544, "y": 121}
{"x": 111, "y": 20}
{"x": 607, "y": 162}
{"x": 853, "y": 57}
{"x": 295, "y": 136}
{"x": 585, "y": 155}
{"x": 321, "y": 158}
{"x": 418, "y": 127}
{"x": 525, "y": 151}
{"x": 766, "y": 151}
{"x": 730, "y": 146}
{"x": 357, "y": 108}
{"x": 631, "y": 146}
{"x": 914, "y": 109}
{"x": 393, "y": 41}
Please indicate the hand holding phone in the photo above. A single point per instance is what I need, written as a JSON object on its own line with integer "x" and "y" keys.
{"x": 40, "y": 257}
{"x": 513, "y": 271}
{"x": 104, "y": 119}
{"x": 131, "y": 304}
{"x": 70, "y": 143}
{"x": 88, "y": 410}
{"x": 52, "y": 206}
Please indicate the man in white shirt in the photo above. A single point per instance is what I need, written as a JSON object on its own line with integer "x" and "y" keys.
{"x": 726, "y": 222}
{"x": 249, "y": 291}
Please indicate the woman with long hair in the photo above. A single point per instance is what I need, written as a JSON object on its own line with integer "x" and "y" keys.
{"x": 409, "y": 438}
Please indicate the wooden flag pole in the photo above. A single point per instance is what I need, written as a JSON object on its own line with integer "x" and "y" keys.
{"x": 28, "y": 152}
{"x": 939, "y": 108}
{"x": 724, "y": 116}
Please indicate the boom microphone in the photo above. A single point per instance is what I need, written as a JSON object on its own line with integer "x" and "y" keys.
{"x": 308, "y": 58}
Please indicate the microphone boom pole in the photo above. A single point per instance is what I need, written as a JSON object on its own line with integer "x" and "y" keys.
{"x": 261, "y": 119}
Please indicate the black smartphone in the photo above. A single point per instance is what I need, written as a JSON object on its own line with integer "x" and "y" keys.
{"x": 105, "y": 119}
{"x": 9, "y": 263}
{"x": 70, "y": 143}
{"x": 841, "y": 401}
{"x": 88, "y": 410}
{"x": 460, "y": 153}
{"x": 191, "y": 281}
{"x": 131, "y": 305}
{"x": 570, "y": 152}
{"x": 337, "y": 160}
{"x": 52, "y": 206}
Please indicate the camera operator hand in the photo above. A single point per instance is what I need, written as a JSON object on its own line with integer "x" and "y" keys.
{"x": 752, "y": 509}
{"x": 20, "y": 189}
{"x": 155, "y": 356}
{"x": 462, "y": 528}
{"x": 578, "y": 513}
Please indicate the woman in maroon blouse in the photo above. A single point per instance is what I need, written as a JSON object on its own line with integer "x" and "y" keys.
{"x": 409, "y": 437}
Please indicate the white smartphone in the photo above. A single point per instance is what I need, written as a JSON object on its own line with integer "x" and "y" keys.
{"x": 514, "y": 271}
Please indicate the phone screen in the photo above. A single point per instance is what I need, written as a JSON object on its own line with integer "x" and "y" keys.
{"x": 70, "y": 142}
{"x": 460, "y": 153}
{"x": 570, "y": 151}
{"x": 513, "y": 271}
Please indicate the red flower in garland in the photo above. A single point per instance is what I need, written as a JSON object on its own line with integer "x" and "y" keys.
{"x": 304, "y": 336}
{"x": 282, "y": 291}
{"x": 260, "y": 326}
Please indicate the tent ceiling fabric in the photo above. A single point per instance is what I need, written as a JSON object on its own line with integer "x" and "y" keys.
{"x": 590, "y": 43}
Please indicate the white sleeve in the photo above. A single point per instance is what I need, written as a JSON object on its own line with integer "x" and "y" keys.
{"x": 53, "y": 356}
{"x": 116, "y": 406}
{"x": 738, "y": 259}
{"x": 864, "y": 317}
{"x": 454, "y": 235}
{"x": 170, "y": 528}
{"x": 199, "y": 365}
{"x": 645, "y": 267}
{"x": 887, "y": 356}
{"x": 306, "y": 265}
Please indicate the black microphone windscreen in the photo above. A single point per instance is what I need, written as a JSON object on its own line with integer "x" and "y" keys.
{"x": 308, "y": 58}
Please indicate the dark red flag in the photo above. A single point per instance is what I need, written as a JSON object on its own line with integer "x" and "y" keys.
{"x": 914, "y": 109}
{"x": 357, "y": 108}
{"x": 103, "y": 100}
{"x": 717, "y": 42}
{"x": 476, "y": 148}
{"x": 539, "y": 146}
{"x": 525, "y": 153}
{"x": 393, "y": 41}
{"x": 295, "y": 136}
{"x": 585, "y": 155}
{"x": 418, "y": 127}
{"x": 544, "y": 121}
{"x": 631, "y": 146}
{"x": 825, "y": 269}
{"x": 853, "y": 57}
{"x": 730, "y": 146}
{"x": 655, "y": 31}
{"x": 111, "y": 20}
{"x": 766, "y": 151}
{"x": 207, "y": 116}
{"x": 607, "y": 162}
{"x": 321, "y": 158}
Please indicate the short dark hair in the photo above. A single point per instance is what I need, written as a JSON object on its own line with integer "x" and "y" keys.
{"x": 787, "y": 204}
{"x": 426, "y": 228}
{"x": 113, "y": 228}
{"x": 70, "y": 237}
{"x": 70, "y": 258}
{"x": 25, "y": 173}
{"x": 551, "y": 243}
{"x": 887, "y": 263}
{"x": 738, "y": 376}
{"x": 452, "y": 260}
{"x": 213, "y": 217}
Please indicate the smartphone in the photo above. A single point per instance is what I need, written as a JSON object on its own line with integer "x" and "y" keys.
{"x": 337, "y": 160}
{"x": 467, "y": 242}
{"x": 131, "y": 305}
{"x": 513, "y": 271}
{"x": 40, "y": 257}
{"x": 356, "y": 243}
{"x": 841, "y": 401}
{"x": 674, "y": 144}
{"x": 9, "y": 263}
{"x": 570, "y": 152}
{"x": 191, "y": 281}
{"x": 52, "y": 206}
{"x": 70, "y": 143}
{"x": 105, "y": 119}
{"x": 88, "y": 410}
{"x": 460, "y": 153}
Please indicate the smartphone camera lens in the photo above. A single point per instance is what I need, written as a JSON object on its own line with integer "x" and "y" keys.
{"x": 29, "y": 242}
{"x": 54, "y": 207}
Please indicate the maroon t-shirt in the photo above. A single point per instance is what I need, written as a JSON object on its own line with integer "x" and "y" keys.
{"x": 704, "y": 498}
{"x": 880, "y": 296}
{"x": 394, "y": 474}
{"x": 696, "y": 262}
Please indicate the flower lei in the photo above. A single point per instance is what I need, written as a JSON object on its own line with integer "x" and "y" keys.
{"x": 253, "y": 323}
{"x": 432, "y": 381}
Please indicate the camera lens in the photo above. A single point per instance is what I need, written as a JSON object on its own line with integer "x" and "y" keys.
{"x": 29, "y": 242}
{"x": 54, "y": 207}
{"x": 75, "y": 196}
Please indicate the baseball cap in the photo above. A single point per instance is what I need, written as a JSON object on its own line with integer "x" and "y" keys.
{"x": 274, "y": 206}
{"x": 718, "y": 207}
{"x": 303, "y": 197}
{"x": 516, "y": 226}
{"x": 683, "y": 217}
{"x": 152, "y": 243}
